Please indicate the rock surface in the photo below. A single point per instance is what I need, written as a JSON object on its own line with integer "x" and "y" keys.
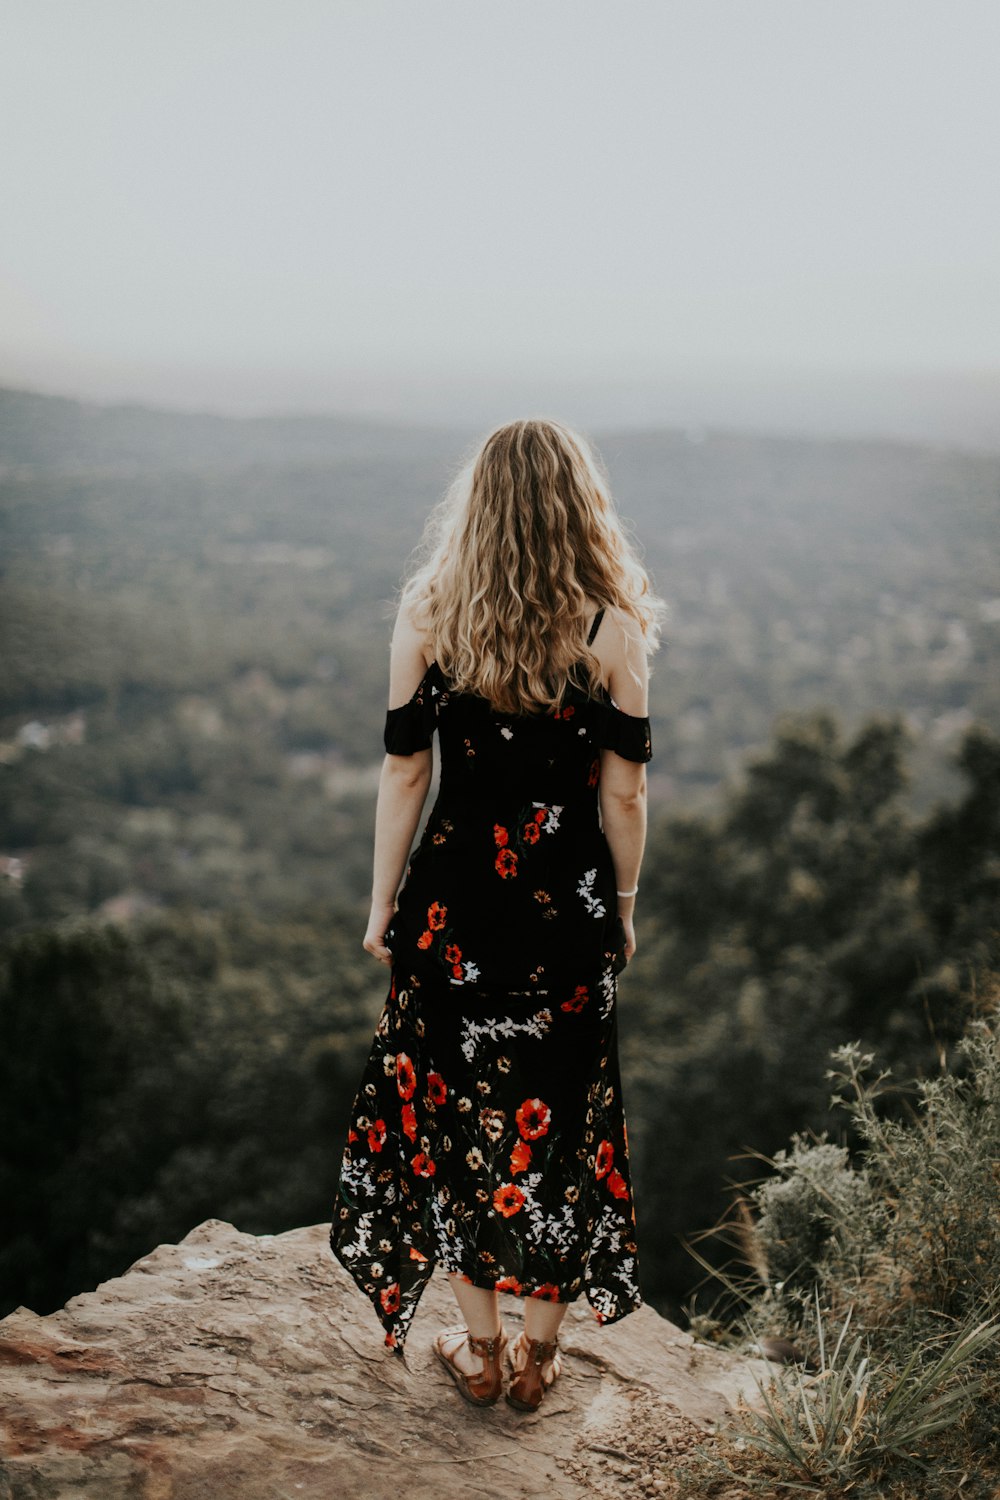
{"x": 235, "y": 1366}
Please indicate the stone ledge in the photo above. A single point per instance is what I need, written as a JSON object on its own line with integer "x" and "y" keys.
{"x": 237, "y": 1367}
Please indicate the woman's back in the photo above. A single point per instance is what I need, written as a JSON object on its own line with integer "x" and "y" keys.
{"x": 513, "y": 850}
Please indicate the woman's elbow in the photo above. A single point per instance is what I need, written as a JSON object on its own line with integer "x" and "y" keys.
{"x": 409, "y": 772}
{"x": 627, "y": 803}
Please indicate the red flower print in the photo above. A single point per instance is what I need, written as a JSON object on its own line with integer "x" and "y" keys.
{"x": 453, "y": 953}
{"x": 500, "y": 835}
{"x": 506, "y": 863}
{"x": 376, "y": 1136}
{"x": 605, "y": 1156}
{"x": 406, "y": 1078}
{"x": 422, "y": 1165}
{"x": 594, "y": 775}
{"x": 436, "y": 914}
{"x": 456, "y": 971}
{"x": 409, "y": 1121}
{"x": 437, "y": 1089}
{"x": 533, "y": 1119}
{"x": 389, "y": 1298}
{"x": 416, "y": 1255}
{"x": 508, "y": 1284}
{"x": 548, "y": 1292}
{"x": 616, "y": 1185}
{"x": 508, "y": 1199}
{"x": 425, "y": 939}
{"x": 540, "y": 814}
{"x": 519, "y": 1158}
{"x": 531, "y": 833}
{"x": 578, "y": 1000}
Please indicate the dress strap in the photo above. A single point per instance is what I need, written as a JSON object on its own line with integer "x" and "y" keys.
{"x": 595, "y": 627}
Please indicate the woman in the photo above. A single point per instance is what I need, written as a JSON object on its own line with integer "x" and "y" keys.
{"x": 488, "y": 1133}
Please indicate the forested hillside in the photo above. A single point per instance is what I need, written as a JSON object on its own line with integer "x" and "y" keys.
{"x": 195, "y": 615}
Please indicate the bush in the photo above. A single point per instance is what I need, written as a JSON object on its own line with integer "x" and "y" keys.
{"x": 902, "y": 1247}
{"x": 815, "y": 1197}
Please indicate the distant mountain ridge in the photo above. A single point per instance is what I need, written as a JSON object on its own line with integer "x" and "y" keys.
{"x": 43, "y": 431}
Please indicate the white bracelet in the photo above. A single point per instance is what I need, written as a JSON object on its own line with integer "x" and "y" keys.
{"x": 628, "y": 893}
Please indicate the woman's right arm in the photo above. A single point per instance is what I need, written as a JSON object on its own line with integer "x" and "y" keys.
{"x": 402, "y": 791}
{"x": 622, "y": 788}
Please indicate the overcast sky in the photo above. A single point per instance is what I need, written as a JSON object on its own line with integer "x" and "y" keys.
{"x": 253, "y": 203}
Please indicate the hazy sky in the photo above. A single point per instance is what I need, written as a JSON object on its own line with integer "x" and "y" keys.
{"x": 268, "y": 201}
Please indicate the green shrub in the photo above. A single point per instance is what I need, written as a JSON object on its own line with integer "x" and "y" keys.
{"x": 902, "y": 1247}
{"x": 815, "y": 1197}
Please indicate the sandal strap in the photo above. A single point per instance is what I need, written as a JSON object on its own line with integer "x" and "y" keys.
{"x": 483, "y": 1388}
{"x": 528, "y": 1385}
{"x": 487, "y": 1347}
{"x": 539, "y": 1350}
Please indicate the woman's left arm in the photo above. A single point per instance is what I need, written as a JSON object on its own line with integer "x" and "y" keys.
{"x": 402, "y": 791}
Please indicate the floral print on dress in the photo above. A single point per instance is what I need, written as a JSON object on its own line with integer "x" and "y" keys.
{"x": 488, "y": 1135}
{"x": 437, "y": 937}
{"x": 592, "y": 902}
{"x": 456, "y": 1163}
{"x": 515, "y": 842}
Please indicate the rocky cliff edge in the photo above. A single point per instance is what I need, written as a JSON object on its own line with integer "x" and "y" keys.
{"x": 237, "y": 1367}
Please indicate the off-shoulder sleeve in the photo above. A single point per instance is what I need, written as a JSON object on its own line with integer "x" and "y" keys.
{"x": 410, "y": 727}
{"x": 628, "y": 735}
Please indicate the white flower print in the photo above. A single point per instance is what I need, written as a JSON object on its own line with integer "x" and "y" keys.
{"x": 359, "y": 1248}
{"x": 472, "y": 1031}
{"x": 593, "y": 903}
{"x": 550, "y": 823}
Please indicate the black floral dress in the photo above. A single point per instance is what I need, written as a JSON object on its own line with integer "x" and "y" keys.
{"x": 488, "y": 1134}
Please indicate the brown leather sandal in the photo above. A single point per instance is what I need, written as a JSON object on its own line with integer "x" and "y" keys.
{"x": 482, "y": 1389}
{"x": 527, "y": 1386}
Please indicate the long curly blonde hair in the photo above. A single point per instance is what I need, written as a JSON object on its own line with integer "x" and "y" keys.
{"x": 525, "y": 542}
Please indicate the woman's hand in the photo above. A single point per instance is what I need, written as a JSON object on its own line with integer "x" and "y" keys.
{"x": 629, "y": 927}
{"x": 374, "y": 940}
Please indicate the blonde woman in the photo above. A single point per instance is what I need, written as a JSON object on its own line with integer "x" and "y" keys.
{"x": 488, "y": 1133}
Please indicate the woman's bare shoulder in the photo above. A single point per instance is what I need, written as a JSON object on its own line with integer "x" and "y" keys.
{"x": 618, "y": 636}
{"x": 621, "y": 650}
{"x": 624, "y": 626}
{"x": 412, "y": 627}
